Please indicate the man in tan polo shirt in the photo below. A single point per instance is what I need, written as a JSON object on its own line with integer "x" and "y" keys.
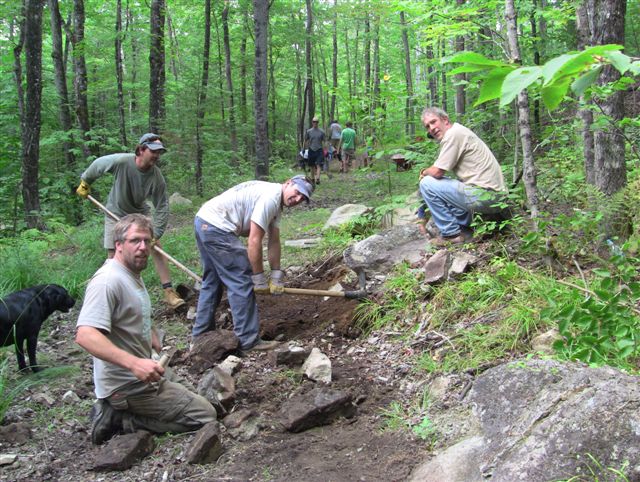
{"x": 478, "y": 186}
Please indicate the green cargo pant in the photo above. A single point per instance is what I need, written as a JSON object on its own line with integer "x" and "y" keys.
{"x": 165, "y": 406}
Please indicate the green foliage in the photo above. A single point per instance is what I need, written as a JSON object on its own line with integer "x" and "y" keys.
{"x": 575, "y": 70}
{"x": 603, "y": 326}
{"x": 595, "y": 471}
{"x": 413, "y": 417}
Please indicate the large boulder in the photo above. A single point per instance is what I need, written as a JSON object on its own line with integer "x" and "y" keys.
{"x": 344, "y": 214}
{"x": 544, "y": 420}
{"x": 380, "y": 252}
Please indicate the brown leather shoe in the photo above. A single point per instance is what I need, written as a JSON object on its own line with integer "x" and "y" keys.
{"x": 173, "y": 299}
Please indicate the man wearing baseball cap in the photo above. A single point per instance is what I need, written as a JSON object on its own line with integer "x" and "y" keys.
{"x": 136, "y": 178}
{"x": 250, "y": 209}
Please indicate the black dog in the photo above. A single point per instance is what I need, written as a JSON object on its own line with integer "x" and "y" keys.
{"x": 22, "y": 314}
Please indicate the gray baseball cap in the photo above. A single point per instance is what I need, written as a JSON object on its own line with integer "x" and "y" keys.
{"x": 303, "y": 186}
{"x": 152, "y": 141}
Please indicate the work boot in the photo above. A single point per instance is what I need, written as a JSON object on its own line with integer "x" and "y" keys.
{"x": 460, "y": 238}
{"x": 261, "y": 345}
{"x": 173, "y": 299}
{"x": 107, "y": 422}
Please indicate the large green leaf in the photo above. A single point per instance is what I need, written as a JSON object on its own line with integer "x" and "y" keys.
{"x": 552, "y": 95}
{"x": 471, "y": 58}
{"x": 517, "y": 81}
{"x": 492, "y": 85}
{"x": 584, "y": 81}
{"x": 468, "y": 68}
{"x": 551, "y": 67}
{"x": 619, "y": 60}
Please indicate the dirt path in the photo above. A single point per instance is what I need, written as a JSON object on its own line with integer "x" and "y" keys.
{"x": 372, "y": 370}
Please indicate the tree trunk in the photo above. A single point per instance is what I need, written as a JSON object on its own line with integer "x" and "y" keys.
{"x": 243, "y": 82}
{"x": 536, "y": 60}
{"x": 433, "y": 79}
{"x": 460, "y": 99}
{"x": 119, "y": 54}
{"x": 57, "y": 55}
{"x": 202, "y": 96}
{"x": 261, "y": 22}
{"x": 443, "y": 76}
{"x": 220, "y": 70}
{"x": 349, "y": 81}
{"x": 367, "y": 55}
{"x": 410, "y": 127}
{"x": 80, "y": 82}
{"x": 133, "y": 98}
{"x": 375, "y": 101}
{"x": 528, "y": 166}
{"x": 583, "y": 29}
{"x": 308, "y": 57}
{"x": 30, "y": 134}
{"x": 174, "y": 49}
{"x": 334, "y": 62}
{"x": 227, "y": 63}
{"x": 157, "y": 109}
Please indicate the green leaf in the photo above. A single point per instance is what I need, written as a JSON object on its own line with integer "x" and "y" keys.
{"x": 581, "y": 83}
{"x": 553, "y": 94}
{"x": 468, "y": 68}
{"x": 621, "y": 331}
{"x": 516, "y": 81}
{"x": 624, "y": 343}
{"x": 619, "y": 60}
{"x": 603, "y": 273}
{"x": 492, "y": 85}
{"x": 471, "y": 58}
{"x": 552, "y": 66}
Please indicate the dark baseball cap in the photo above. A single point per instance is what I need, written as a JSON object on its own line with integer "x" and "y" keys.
{"x": 303, "y": 185}
{"x": 152, "y": 141}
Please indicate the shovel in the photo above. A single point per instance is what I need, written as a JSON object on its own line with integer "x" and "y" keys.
{"x": 351, "y": 295}
{"x": 158, "y": 249}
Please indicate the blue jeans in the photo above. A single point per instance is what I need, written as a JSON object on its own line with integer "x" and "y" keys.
{"x": 452, "y": 203}
{"x": 225, "y": 263}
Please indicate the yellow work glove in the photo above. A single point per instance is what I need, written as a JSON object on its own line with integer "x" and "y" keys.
{"x": 260, "y": 285}
{"x": 276, "y": 283}
{"x": 84, "y": 189}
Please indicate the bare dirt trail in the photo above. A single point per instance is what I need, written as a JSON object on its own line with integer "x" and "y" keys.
{"x": 371, "y": 369}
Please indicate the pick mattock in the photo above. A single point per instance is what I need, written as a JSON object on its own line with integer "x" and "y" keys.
{"x": 158, "y": 249}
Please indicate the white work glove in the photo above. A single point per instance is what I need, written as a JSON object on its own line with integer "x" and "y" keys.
{"x": 260, "y": 284}
{"x": 276, "y": 284}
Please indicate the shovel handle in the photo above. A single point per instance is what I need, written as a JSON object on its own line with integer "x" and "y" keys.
{"x": 302, "y": 291}
{"x": 158, "y": 249}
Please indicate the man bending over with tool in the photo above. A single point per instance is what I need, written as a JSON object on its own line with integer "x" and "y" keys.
{"x": 133, "y": 390}
{"x": 136, "y": 178}
{"x": 251, "y": 209}
{"x": 479, "y": 185}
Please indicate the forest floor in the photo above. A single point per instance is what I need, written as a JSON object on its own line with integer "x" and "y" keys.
{"x": 375, "y": 370}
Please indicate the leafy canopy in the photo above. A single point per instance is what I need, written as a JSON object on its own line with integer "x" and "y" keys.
{"x": 575, "y": 70}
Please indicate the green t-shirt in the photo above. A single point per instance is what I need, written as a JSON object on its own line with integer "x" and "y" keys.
{"x": 348, "y": 138}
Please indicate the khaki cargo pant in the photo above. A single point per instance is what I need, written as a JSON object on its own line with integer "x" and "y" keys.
{"x": 165, "y": 406}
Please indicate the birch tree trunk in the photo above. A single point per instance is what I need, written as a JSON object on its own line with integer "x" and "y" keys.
{"x": 460, "y": 98}
{"x": 119, "y": 72}
{"x": 80, "y": 82}
{"x": 308, "y": 57}
{"x": 57, "y": 55}
{"x": 261, "y": 34}
{"x": 529, "y": 172}
{"x": 334, "y": 62}
{"x": 583, "y": 30}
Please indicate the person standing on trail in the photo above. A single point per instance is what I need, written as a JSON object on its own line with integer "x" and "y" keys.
{"x": 134, "y": 391}
{"x": 479, "y": 184}
{"x": 136, "y": 178}
{"x": 314, "y": 141}
{"x": 347, "y": 146}
{"x": 250, "y": 209}
{"x": 336, "y": 133}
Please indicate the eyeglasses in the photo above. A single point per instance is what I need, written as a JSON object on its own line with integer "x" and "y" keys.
{"x": 138, "y": 241}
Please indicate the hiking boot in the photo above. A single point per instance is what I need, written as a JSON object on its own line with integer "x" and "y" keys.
{"x": 173, "y": 299}
{"x": 107, "y": 422}
{"x": 459, "y": 238}
{"x": 261, "y": 345}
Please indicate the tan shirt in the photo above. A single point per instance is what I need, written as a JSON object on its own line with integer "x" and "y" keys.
{"x": 463, "y": 153}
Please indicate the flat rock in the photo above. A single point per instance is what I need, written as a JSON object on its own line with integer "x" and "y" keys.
{"x": 436, "y": 268}
{"x": 206, "y": 447}
{"x": 460, "y": 263}
{"x": 211, "y": 347}
{"x": 231, "y": 364}
{"x": 15, "y": 433}
{"x": 303, "y": 243}
{"x": 176, "y": 199}
{"x": 123, "y": 451}
{"x": 237, "y": 418}
{"x": 344, "y": 214}
{"x": 8, "y": 459}
{"x": 320, "y": 406}
{"x": 291, "y": 356}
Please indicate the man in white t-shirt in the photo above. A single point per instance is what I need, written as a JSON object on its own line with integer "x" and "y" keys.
{"x": 250, "y": 209}
{"x": 479, "y": 185}
{"x": 134, "y": 391}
